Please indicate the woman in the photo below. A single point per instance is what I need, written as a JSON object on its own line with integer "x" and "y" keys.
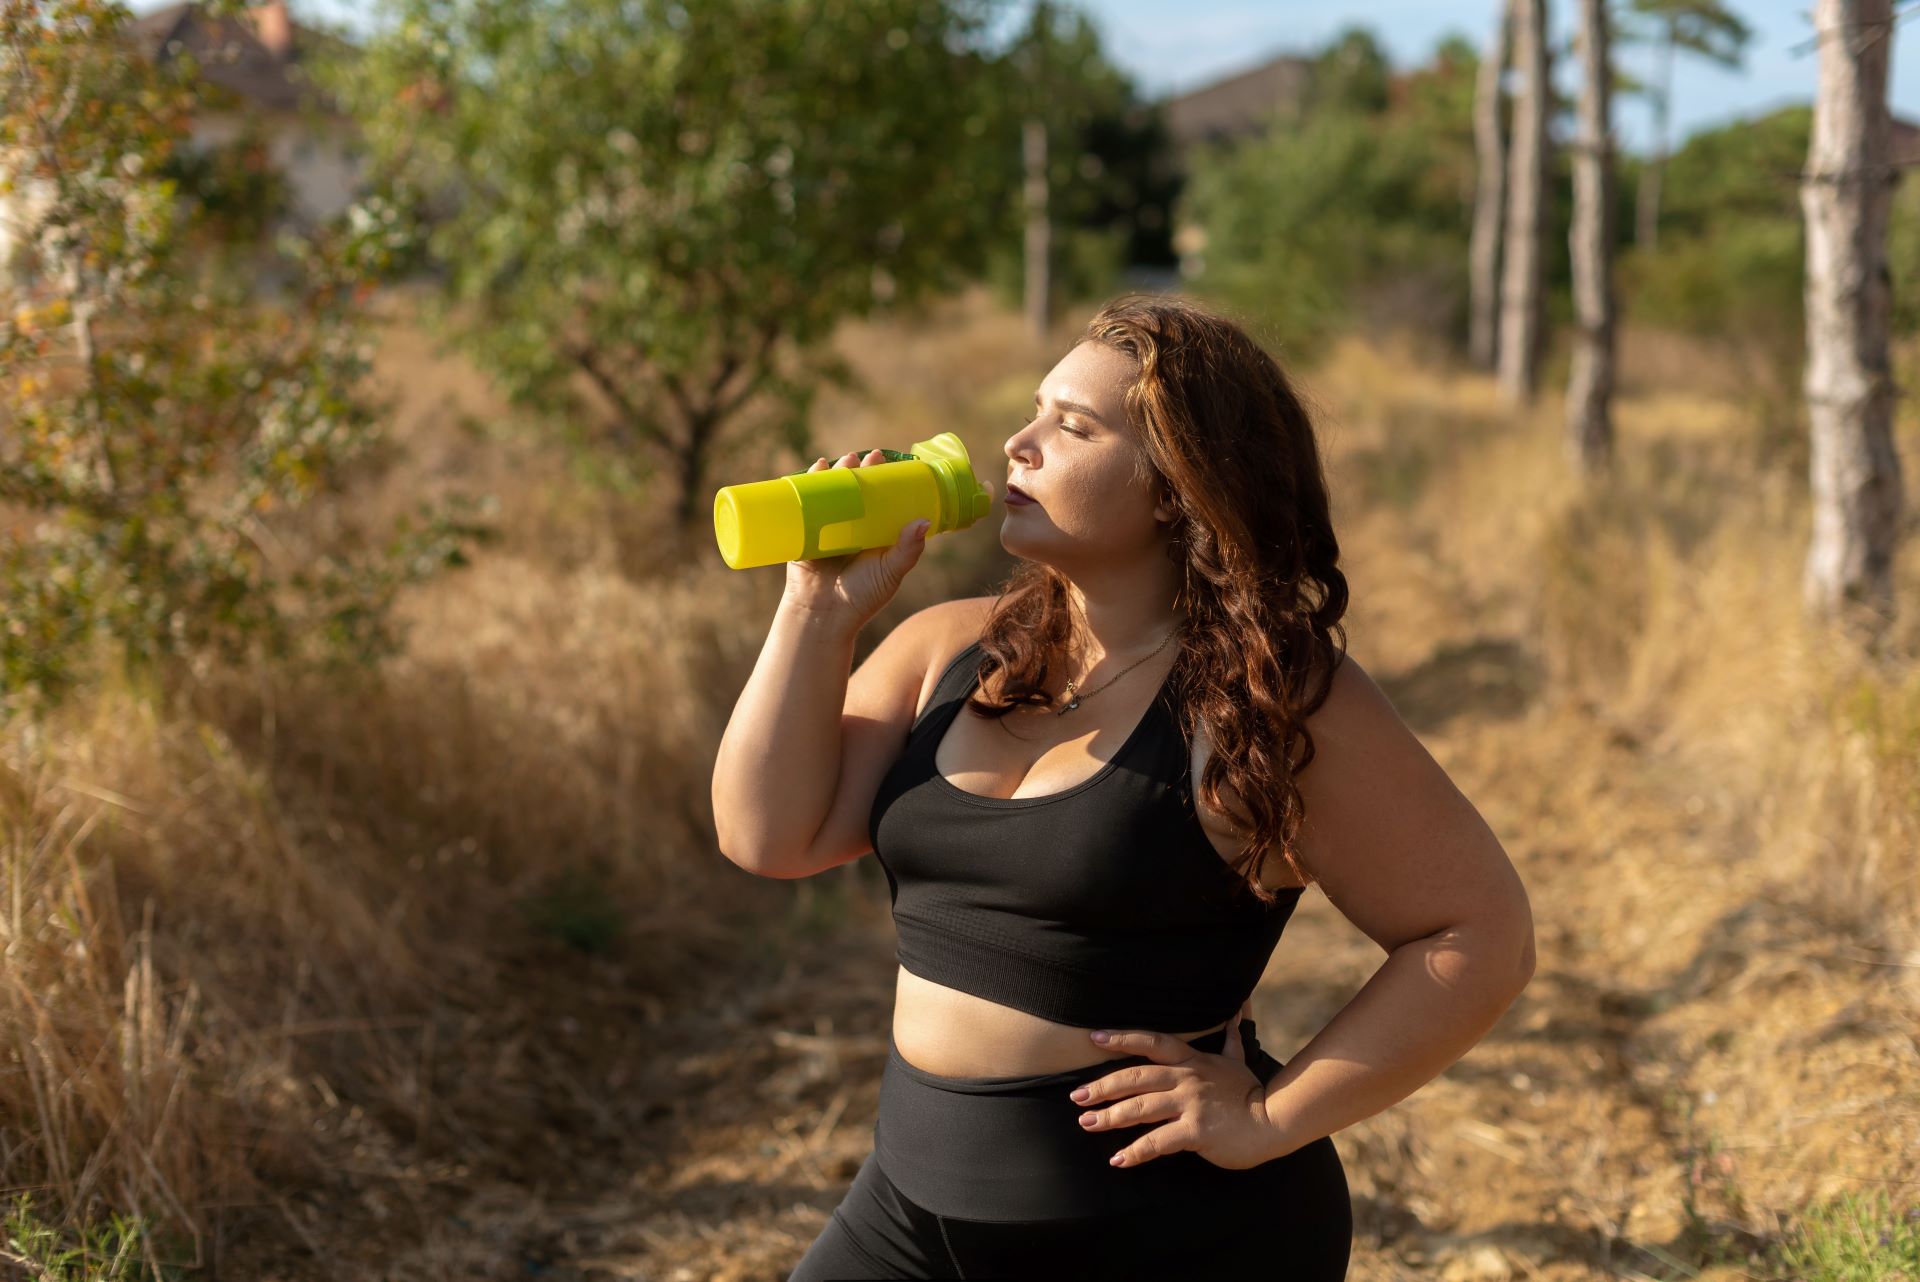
{"x": 1165, "y": 744}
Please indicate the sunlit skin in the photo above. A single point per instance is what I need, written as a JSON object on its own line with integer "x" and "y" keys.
{"x": 1097, "y": 524}
{"x": 1391, "y": 842}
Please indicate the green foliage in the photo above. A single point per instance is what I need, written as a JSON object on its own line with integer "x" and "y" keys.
{"x": 576, "y": 909}
{"x": 114, "y": 1251}
{"x": 1087, "y": 263}
{"x": 1110, "y": 175}
{"x": 1351, "y": 74}
{"x": 652, "y": 215}
{"x": 1129, "y": 159}
{"x": 1731, "y": 262}
{"x": 824, "y": 907}
{"x": 239, "y": 191}
{"x": 1748, "y": 170}
{"x": 1854, "y": 1238}
{"x": 1304, "y": 222}
{"x": 1704, "y": 28}
{"x": 1882, "y": 711}
{"x": 157, "y": 426}
{"x": 1903, "y": 254}
{"x": 1732, "y": 255}
{"x": 1744, "y": 278}
{"x": 1055, "y": 71}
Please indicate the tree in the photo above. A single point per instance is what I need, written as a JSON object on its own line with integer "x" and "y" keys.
{"x": 659, "y": 212}
{"x": 1129, "y": 180}
{"x": 1348, "y": 213}
{"x": 1489, "y": 199}
{"x": 1845, "y": 195}
{"x": 1039, "y": 241}
{"x": 1522, "y": 294}
{"x": 1075, "y": 125}
{"x": 1352, "y": 73}
{"x": 157, "y": 427}
{"x": 1590, "y": 383}
{"x": 1705, "y": 28}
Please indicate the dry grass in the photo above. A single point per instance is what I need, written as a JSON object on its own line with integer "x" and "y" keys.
{"x": 283, "y": 965}
{"x": 1731, "y": 843}
{"x": 246, "y": 922}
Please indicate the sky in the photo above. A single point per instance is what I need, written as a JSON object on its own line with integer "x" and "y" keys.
{"x": 1212, "y": 38}
{"x": 1174, "y": 47}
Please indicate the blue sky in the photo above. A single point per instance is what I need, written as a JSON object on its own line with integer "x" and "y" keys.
{"x": 1174, "y": 47}
{"x": 1171, "y": 48}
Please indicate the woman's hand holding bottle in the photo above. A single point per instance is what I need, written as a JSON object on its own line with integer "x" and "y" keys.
{"x": 858, "y": 585}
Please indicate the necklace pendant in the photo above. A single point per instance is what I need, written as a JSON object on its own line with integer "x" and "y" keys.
{"x": 1072, "y": 704}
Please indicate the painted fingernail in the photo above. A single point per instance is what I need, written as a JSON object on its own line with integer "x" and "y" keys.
{"x": 1089, "y": 1119}
{"x": 1080, "y": 1095}
{"x": 1100, "y": 1035}
{"x": 1118, "y": 1159}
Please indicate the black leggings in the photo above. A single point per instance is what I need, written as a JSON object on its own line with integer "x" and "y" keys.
{"x": 993, "y": 1177}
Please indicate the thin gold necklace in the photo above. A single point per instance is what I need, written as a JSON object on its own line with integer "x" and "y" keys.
{"x": 1075, "y": 694}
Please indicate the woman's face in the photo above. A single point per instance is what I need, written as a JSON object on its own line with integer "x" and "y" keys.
{"x": 1076, "y": 458}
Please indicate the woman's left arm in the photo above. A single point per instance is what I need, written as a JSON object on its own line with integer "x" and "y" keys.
{"x": 1403, "y": 855}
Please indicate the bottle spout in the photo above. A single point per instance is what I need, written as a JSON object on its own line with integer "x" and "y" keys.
{"x": 963, "y": 499}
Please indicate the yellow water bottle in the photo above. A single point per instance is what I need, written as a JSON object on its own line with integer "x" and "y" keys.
{"x": 836, "y": 510}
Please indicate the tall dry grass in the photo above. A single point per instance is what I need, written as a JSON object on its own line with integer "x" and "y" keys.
{"x": 1666, "y": 601}
{"x": 253, "y": 919}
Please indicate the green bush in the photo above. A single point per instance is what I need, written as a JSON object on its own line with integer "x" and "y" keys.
{"x": 652, "y": 216}
{"x": 158, "y": 424}
{"x": 116, "y": 1250}
{"x": 1857, "y": 1237}
{"x": 1355, "y": 212}
{"x": 1731, "y": 258}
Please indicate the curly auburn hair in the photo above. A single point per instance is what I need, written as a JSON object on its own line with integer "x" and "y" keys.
{"x": 1217, "y": 422}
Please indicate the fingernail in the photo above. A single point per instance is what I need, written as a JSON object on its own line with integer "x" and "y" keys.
{"x": 1100, "y": 1035}
{"x": 1080, "y": 1095}
{"x": 920, "y": 529}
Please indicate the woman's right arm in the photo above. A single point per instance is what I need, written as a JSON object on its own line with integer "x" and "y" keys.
{"x": 783, "y": 789}
{"x": 802, "y": 758}
{"x": 779, "y": 758}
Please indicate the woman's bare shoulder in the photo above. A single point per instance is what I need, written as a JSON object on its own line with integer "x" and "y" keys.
{"x": 962, "y": 621}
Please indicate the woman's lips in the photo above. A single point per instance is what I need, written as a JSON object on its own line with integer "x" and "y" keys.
{"x": 1016, "y": 499}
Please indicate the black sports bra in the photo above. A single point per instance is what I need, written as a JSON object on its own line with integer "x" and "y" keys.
{"x": 1100, "y": 906}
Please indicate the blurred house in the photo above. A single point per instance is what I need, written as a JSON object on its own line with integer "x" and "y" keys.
{"x": 255, "y": 69}
{"x": 258, "y": 102}
{"x": 1236, "y": 107}
{"x": 1227, "y": 111}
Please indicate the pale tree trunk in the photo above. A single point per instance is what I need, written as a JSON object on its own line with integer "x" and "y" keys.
{"x": 1039, "y": 234}
{"x": 1646, "y": 222}
{"x": 1590, "y": 383}
{"x": 1490, "y": 157}
{"x": 1845, "y": 194}
{"x": 1521, "y": 310}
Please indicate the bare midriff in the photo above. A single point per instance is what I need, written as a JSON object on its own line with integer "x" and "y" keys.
{"x": 954, "y": 1034}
